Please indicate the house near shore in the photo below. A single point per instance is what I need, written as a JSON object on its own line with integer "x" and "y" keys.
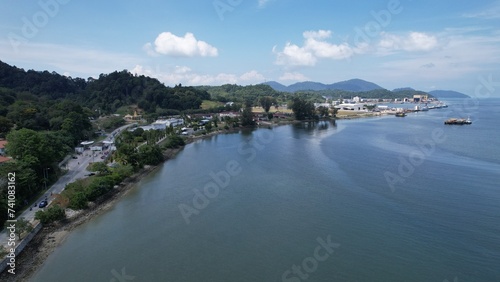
{"x": 229, "y": 114}
{"x": 278, "y": 115}
{"x": 2, "y": 147}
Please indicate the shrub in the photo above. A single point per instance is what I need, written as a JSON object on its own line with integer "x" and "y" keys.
{"x": 174, "y": 141}
{"x": 78, "y": 201}
{"x": 98, "y": 187}
{"x": 53, "y": 213}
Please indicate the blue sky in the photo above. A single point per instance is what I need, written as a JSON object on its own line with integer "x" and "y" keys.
{"x": 395, "y": 43}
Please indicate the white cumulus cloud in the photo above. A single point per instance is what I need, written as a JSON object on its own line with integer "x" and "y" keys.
{"x": 315, "y": 47}
{"x": 411, "y": 42}
{"x": 320, "y": 34}
{"x": 294, "y": 55}
{"x": 170, "y": 44}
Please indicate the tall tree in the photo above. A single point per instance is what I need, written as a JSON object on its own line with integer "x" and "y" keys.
{"x": 266, "y": 103}
{"x": 323, "y": 111}
{"x": 246, "y": 115}
{"x": 302, "y": 109}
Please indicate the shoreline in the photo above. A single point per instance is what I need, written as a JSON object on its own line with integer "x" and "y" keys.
{"x": 32, "y": 258}
{"x": 52, "y": 236}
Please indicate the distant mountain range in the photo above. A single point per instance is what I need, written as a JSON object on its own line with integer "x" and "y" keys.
{"x": 353, "y": 85}
{"x": 443, "y": 94}
{"x": 403, "y": 89}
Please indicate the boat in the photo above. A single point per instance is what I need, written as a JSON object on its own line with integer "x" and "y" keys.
{"x": 400, "y": 114}
{"x": 458, "y": 121}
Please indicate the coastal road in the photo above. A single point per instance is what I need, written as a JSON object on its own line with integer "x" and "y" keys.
{"x": 76, "y": 169}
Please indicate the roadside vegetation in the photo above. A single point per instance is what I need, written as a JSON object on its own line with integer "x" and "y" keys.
{"x": 132, "y": 154}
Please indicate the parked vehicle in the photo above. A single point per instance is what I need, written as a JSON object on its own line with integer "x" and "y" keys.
{"x": 43, "y": 204}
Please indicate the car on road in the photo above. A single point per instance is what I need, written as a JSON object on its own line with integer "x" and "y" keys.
{"x": 74, "y": 157}
{"x": 43, "y": 204}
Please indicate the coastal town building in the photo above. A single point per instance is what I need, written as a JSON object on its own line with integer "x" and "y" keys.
{"x": 162, "y": 124}
{"x": 352, "y": 107}
{"x": 326, "y": 105}
{"x": 420, "y": 98}
{"x": 99, "y": 146}
{"x": 229, "y": 114}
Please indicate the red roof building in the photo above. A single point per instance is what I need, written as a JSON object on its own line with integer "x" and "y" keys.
{"x": 2, "y": 147}
{"x": 4, "y": 159}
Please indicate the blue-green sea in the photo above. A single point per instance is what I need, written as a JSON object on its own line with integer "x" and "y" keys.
{"x": 375, "y": 199}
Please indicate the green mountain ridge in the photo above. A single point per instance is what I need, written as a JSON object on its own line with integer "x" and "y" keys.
{"x": 353, "y": 85}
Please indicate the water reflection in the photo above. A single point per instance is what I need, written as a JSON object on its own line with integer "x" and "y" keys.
{"x": 313, "y": 128}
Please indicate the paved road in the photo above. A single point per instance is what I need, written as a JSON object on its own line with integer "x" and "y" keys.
{"x": 77, "y": 169}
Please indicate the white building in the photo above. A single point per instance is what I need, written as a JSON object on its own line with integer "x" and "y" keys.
{"x": 162, "y": 124}
{"x": 229, "y": 114}
{"x": 352, "y": 107}
{"x": 326, "y": 105}
{"x": 96, "y": 148}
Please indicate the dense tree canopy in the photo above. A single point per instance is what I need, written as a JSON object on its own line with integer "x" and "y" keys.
{"x": 302, "y": 109}
{"x": 105, "y": 94}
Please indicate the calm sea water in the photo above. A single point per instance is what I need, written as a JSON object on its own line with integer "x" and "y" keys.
{"x": 381, "y": 199}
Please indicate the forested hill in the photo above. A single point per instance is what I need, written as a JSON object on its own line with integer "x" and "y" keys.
{"x": 39, "y": 83}
{"x": 112, "y": 91}
{"x": 240, "y": 94}
{"x": 106, "y": 93}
